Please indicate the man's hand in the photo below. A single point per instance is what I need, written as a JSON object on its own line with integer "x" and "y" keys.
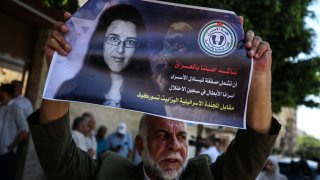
{"x": 91, "y": 152}
{"x": 56, "y": 41}
{"x": 53, "y": 110}
{"x": 259, "y": 113}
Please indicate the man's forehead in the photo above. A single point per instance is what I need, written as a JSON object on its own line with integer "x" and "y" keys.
{"x": 156, "y": 122}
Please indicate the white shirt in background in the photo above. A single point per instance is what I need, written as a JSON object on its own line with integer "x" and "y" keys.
{"x": 92, "y": 143}
{"x": 12, "y": 123}
{"x": 80, "y": 140}
{"x": 24, "y": 104}
{"x": 212, "y": 152}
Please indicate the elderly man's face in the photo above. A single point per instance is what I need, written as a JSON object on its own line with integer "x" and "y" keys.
{"x": 166, "y": 149}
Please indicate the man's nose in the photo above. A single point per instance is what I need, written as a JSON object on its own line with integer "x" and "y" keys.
{"x": 174, "y": 144}
{"x": 120, "y": 48}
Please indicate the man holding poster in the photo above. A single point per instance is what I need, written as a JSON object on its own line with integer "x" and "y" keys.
{"x": 161, "y": 142}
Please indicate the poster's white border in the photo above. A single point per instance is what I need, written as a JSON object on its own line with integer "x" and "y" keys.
{"x": 52, "y": 63}
{"x": 248, "y": 91}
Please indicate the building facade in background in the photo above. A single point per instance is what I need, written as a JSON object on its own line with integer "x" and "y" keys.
{"x": 286, "y": 142}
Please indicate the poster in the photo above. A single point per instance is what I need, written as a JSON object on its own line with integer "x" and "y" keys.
{"x": 183, "y": 62}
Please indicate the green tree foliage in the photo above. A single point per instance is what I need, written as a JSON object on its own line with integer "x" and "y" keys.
{"x": 296, "y": 80}
{"x": 281, "y": 23}
{"x": 66, "y": 5}
{"x": 308, "y": 147}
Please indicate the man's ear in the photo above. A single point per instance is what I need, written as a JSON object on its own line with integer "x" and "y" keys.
{"x": 139, "y": 144}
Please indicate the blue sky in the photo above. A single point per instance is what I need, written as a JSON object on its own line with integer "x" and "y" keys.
{"x": 308, "y": 119}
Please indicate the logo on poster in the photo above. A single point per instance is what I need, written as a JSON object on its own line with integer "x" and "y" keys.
{"x": 217, "y": 39}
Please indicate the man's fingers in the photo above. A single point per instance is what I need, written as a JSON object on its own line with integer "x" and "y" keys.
{"x": 49, "y": 53}
{"x": 66, "y": 16}
{"x": 61, "y": 40}
{"x": 64, "y": 28}
{"x": 264, "y": 63}
{"x": 255, "y": 43}
{"x": 61, "y": 27}
{"x": 262, "y": 48}
{"x": 241, "y": 20}
{"x": 249, "y": 38}
{"x": 56, "y": 41}
{"x": 54, "y": 45}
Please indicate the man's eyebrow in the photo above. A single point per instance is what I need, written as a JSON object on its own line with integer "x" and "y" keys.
{"x": 161, "y": 131}
{"x": 165, "y": 131}
{"x": 183, "y": 133}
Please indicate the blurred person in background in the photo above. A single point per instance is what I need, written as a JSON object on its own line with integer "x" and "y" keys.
{"x": 23, "y": 102}
{"x": 101, "y": 140}
{"x": 13, "y": 131}
{"x": 121, "y": 141}
{"x": 272, "y": 170}
{"x": 26, "y": 106}
{"x": 90, "y": 138}
{"x": 80, "y": 129}
{"x": 212, "y": 151}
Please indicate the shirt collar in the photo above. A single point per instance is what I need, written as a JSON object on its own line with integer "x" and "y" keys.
{"x": 79, "y": 134}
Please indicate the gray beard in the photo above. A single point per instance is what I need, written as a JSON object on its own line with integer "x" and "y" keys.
{"x": 152, "y": 167}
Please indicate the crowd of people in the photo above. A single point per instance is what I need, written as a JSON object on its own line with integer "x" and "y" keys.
{"x": 14, "y": 130}
{"x": 96, "y": 142}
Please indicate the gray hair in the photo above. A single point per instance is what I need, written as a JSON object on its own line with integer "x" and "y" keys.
{"x": 143, "y": 130}
{"x": 87, "y": 115}
{"x": 77, "y": 121}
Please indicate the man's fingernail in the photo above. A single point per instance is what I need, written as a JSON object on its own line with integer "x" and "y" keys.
{"x": 248, "y": 44}
{"x": 251, "y": 52}
{"x": 67, "y": 47}
{"x": 63, "y": 52}
{"x": 64, "y": 28}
